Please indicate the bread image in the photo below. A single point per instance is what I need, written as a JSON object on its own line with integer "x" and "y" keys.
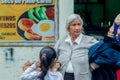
{"x": 29, "y": 34}
{"x": 25, "y": 24}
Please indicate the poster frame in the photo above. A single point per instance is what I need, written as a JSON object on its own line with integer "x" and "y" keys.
{"x": 35, "y": 43}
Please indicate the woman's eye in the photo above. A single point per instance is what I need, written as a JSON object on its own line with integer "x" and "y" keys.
{"x": 74, "y": 24}
{"x": 78, "y": 24}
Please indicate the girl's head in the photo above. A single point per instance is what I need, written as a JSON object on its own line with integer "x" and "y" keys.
{"x": 47, "y": 58}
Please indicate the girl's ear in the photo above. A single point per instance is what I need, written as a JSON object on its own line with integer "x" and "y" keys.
{"x": 55, "y": 60}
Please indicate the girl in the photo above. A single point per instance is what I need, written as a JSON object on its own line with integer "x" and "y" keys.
{"x": 45, "y": 69}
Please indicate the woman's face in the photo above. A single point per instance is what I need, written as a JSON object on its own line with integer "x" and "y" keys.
{"x": 75, "y": 28}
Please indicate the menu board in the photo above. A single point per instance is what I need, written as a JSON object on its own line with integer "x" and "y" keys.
{"x": 27, "y": 20}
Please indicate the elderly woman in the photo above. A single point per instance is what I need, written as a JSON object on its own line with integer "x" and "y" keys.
{"x": 73, "y": 49}
{"x": 104, "y": 57}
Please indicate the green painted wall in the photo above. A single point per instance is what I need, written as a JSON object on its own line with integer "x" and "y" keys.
{"x": 95, "y": 11}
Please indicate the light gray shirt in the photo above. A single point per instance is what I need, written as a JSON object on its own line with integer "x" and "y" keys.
{"x": 77, "y": 54}
{"x": 32, "y": 74}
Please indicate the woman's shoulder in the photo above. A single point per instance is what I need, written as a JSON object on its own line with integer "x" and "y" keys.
{"x": 87, "y": 36}
{"x": 61, "y": 39}
{"x": 89, "y": 39}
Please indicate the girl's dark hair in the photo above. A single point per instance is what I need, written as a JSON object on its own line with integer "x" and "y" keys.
{"x": 47, "y": 56}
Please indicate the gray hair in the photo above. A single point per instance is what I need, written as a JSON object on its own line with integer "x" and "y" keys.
{"x": 73, "y": 17}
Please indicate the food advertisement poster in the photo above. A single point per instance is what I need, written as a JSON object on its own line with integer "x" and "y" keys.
{"x": 27, "y": 20}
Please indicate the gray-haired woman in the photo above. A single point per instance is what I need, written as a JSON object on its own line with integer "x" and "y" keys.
{"x": 73, "y": 49}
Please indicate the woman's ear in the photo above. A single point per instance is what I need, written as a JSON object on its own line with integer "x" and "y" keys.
{"x": 68, "y": 28}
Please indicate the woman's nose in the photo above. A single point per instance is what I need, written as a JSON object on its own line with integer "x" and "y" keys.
{"x": 77, "y": 26}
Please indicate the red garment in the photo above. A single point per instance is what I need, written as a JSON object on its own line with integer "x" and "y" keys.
{"x": 118, "y": 74}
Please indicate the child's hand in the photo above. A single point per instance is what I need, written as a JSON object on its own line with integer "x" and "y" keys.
{"x": 57, "y": 65}
{"x": 38, "y": 63}
{"x": 26, "y": 65}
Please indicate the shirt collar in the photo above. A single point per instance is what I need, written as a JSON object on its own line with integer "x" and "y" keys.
{"x": 78, "y": 39}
